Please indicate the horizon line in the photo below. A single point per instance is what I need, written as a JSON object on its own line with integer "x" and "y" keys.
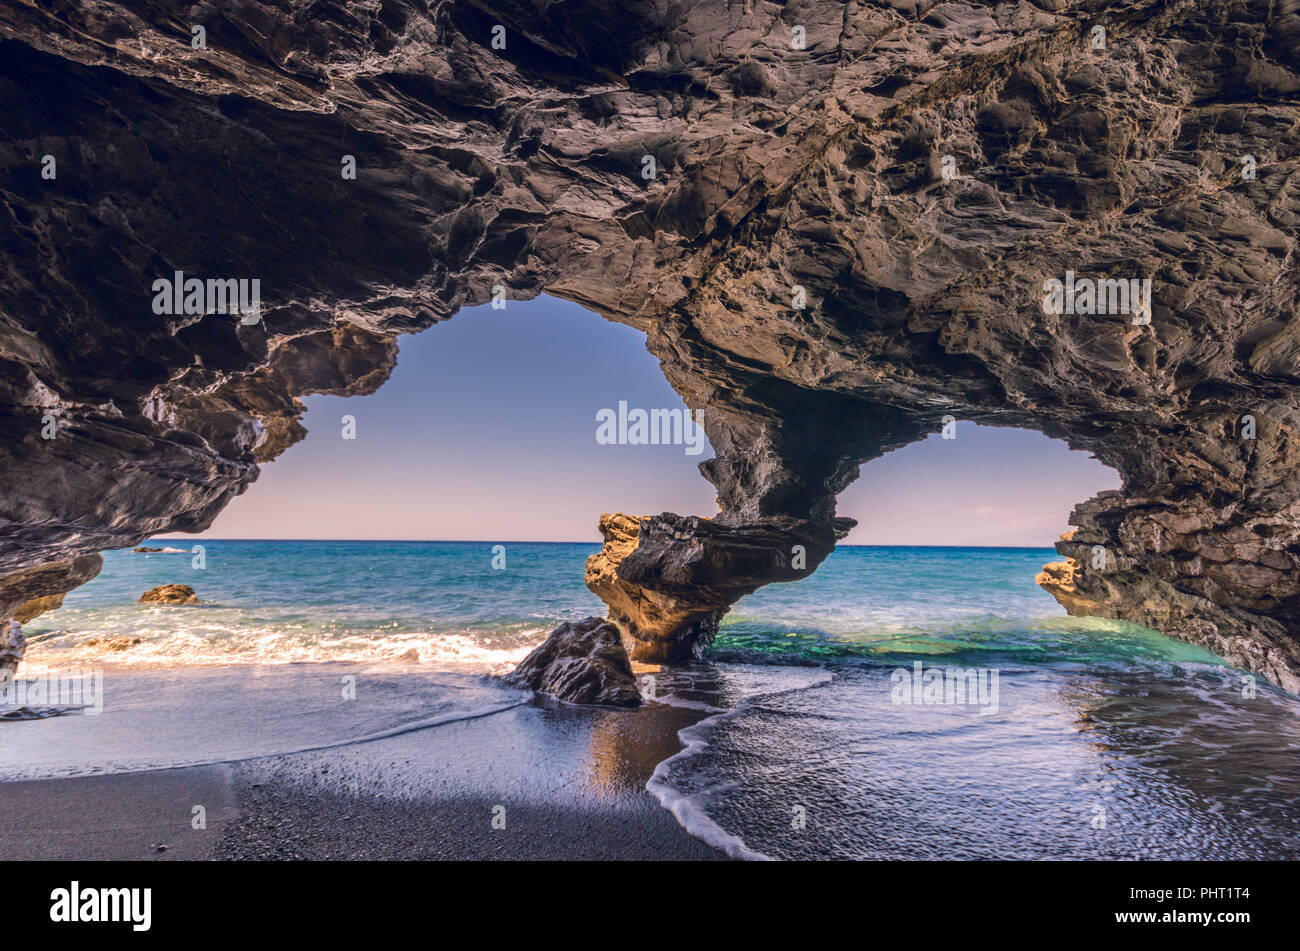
{"x": 517, "y": 541}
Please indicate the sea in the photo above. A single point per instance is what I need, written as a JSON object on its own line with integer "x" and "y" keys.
{"x": 899, "y": 703}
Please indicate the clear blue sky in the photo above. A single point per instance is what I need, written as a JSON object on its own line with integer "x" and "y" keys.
{"x": 486, "y": 431}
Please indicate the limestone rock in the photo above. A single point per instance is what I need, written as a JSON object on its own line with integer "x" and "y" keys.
{"x": 169, "y": 594}
{"x": 581, "y": 662}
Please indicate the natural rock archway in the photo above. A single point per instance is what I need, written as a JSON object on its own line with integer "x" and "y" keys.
{"x": 912, "y": 172}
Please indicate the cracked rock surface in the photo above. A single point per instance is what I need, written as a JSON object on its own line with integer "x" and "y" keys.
{"x": 581, "y": 662}
{"x": 913, "y": 173}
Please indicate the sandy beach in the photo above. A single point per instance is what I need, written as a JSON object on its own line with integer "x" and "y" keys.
{"x": 536, "y": 781}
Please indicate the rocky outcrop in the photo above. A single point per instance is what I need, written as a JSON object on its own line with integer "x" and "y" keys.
{"x": 169, "y": 594}
{"x": 834, "y": 221}
{"x": 20, "y": 589}
{"x": 668, "y": 580}
{"x": 32, "y": 609}
{"x": 13, "y": 645}
{"x": 26, "y": 594}
{"x": 1179, "y": 578}
{"x": 581, "y": 662}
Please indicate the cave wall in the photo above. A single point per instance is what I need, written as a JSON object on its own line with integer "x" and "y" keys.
{"x": 918, "y": 169}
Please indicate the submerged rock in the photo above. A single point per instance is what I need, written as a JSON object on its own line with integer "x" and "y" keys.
{"x": 581, "y": 662}
{"x": 113, "y": 643}
{"x": 144, "y": 549}
{"x": 169, "y": 594}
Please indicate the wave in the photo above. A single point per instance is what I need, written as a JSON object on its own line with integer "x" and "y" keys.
{"x": 206, "y": 716}
{"x": 217, "y": 643}
{"x": 690, "y": 808}
{"x": 691, "y": 812}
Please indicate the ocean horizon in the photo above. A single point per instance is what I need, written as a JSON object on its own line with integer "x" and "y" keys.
{"x": 507, "y": 541}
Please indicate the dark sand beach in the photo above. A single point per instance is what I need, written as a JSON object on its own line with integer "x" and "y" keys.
{"x": 568, "y": 781}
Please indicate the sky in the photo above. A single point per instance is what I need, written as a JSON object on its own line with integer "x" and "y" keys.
{"x": 487, "y": 431}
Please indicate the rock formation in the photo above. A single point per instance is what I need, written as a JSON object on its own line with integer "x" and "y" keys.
{"x": 833, "y": 219}
{"x": 29, "y": 610}
{"x": 13, "y": 645}
{"x": 27, "y": 594}
{"x": 582, "y": 662}
{"x": 668, "y": 579}
{"x": 169, "y": 594}
{"x": 116, "y": 644}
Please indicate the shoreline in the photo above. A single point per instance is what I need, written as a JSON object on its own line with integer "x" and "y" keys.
{"x": 535, "y": 780}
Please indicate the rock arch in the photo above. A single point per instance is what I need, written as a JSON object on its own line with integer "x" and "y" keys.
{"x": 919, "y": 170}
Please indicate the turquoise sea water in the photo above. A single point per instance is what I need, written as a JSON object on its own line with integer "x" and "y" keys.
{"x": 1102, "y": 739}
{"x": 295, "y": 601}
{"x": 287, "y": 601}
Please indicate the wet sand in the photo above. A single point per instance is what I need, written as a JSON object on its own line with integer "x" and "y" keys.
{"x": 539, "y": 781}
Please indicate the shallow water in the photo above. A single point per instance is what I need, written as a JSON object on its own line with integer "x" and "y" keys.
{"x": 1077, "y": 738}
{"x": 441, "y": 603}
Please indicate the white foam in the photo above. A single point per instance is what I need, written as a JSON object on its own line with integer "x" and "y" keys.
{"x": 690, "y": 813}
{"x": 690, "y": 810}
{"x": 181, "y": 717}
{"x": 219, "y": 644}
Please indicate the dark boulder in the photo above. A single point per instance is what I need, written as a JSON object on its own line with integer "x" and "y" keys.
{"x": 581, "y": 662}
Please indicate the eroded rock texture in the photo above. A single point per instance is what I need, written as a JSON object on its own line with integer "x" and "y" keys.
{"x": 29, "y": 593}
{"x": 669, "y": 579}
{"x": 777, "y": 167}
{"x": 169, "y": 594}
{"x": 581, "y": 662}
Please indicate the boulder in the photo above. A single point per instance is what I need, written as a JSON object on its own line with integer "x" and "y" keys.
{"x": 113, "y": 643}
{"x": 169, "y": 594}
{"x": 581, "y": 662}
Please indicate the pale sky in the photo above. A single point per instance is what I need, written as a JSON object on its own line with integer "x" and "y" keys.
{"x": 486, "y": 431}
